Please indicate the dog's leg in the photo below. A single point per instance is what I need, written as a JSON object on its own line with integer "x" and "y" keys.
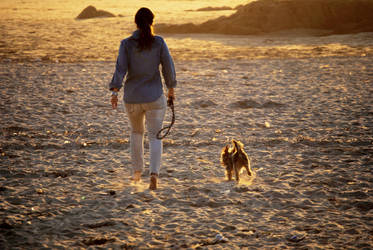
{"x": 248, "y": 169}
{"x": 229, "y": 174}
{"x": 237, "y": 172}
{"x": 229, "y": 168}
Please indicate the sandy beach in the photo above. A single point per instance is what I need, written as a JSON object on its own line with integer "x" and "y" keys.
{"x": 300, "y": 101}
{"x": 306, "y": 125}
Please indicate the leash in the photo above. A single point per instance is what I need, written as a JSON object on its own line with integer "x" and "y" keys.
{"x": 170, "y": 103}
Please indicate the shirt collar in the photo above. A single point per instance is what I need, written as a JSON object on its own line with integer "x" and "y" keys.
{"x": 136, "y": 34}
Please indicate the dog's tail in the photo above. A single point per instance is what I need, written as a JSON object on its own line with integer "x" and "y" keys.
{"x": 224, "y": 152}
{"x": 238, "y": 146}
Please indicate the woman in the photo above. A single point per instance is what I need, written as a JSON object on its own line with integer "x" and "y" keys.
{"x": 139, "y": 58}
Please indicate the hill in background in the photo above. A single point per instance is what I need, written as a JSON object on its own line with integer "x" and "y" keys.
{"x": 268, "y": 16}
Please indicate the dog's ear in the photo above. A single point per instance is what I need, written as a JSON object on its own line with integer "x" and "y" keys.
{"x": 233, "y": 149}
{"x": 235, "y": 144}
{"x": 224, "y": 150}
{"x": 238, "y": 144}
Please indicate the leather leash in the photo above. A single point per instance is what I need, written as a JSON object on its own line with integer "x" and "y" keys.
{"x": 170, "y": 103}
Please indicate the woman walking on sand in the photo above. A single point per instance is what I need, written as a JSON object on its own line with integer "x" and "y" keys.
{"x": 139, "y": 58}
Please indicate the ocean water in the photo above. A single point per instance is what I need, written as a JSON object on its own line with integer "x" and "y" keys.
{"x": 46, "y": 30}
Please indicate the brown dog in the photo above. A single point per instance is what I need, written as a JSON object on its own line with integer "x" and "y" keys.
{"x": 234, "y": 158}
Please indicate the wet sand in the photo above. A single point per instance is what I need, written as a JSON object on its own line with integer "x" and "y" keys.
{"x": 306, "y": 124}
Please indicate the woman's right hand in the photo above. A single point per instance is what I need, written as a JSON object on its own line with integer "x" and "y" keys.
{"x": 114, "y": 101}
{"x": 114, "y": 98}
{"x": 171, "y": 94}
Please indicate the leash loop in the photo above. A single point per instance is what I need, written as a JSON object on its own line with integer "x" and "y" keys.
{"x": 170, "y": 103}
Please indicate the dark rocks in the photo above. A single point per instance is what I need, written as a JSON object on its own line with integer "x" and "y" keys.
{"x": 215, "y": 8}
{"x": 317, "y": 17}
{"x": 92, "y": 12}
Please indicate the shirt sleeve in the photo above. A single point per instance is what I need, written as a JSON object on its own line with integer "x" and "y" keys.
{"x": 120, "y": 68}
{"x": 168, "y": 67}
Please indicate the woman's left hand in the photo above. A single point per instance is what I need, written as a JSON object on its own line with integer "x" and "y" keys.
{"x": 114, "y": 101}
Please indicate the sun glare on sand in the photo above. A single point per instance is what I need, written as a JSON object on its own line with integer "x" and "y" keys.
{"x": 50, "y": 9}
{"x": 302, "y": 106}
{"x": 48, "y": 31}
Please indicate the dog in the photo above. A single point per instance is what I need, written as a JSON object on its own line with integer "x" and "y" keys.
{"x": 233, "y": 157}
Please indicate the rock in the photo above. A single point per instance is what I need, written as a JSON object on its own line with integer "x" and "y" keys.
{"x": 92, "y": 12}
{"x": 214, "y": 8}
{"x": 317, "y": 17}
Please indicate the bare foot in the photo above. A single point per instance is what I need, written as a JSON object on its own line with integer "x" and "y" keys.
{"x": 153, "y": 182}
{"x": 136, "y": 176}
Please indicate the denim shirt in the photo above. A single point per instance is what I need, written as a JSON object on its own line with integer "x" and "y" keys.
{"x": 143, "y": 82}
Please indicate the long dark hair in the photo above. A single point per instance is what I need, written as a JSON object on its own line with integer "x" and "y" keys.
{"x": 144, "y": 21}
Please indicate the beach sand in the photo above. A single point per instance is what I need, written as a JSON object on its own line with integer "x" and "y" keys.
{"x": 306, "y": 124}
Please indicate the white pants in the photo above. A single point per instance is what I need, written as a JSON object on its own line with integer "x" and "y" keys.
{"x": 152, "y": 114}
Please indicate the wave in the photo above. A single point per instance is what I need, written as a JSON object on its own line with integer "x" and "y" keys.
{"x": 269, "y": 16}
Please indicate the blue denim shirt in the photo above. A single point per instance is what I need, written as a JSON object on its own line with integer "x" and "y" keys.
{"x": 143, "y": 80}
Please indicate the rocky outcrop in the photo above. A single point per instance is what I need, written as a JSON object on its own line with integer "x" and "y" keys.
{"x": 92, "y": 12}
{"x": 214, "y": 8}
{"x": 266, "y": 16}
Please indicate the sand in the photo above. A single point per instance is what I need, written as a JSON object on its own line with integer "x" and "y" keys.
{"x": 306, "y": 124}
{"x": 302, "y": 105}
